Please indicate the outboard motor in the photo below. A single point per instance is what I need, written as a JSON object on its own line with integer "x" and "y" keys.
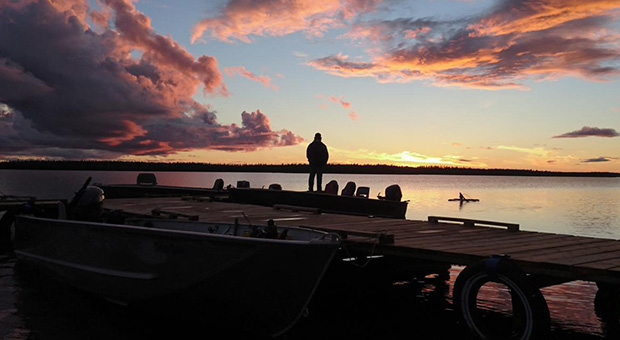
{"x": 349, "y": 189}
{"x": 243, "y": 184}
{"x": 90, "y": 205}
{"x": 331, "y": 187}
{"x": 219, "y": 184}
{"x": 393, "y": 193}
{"x": 275, "y": 186}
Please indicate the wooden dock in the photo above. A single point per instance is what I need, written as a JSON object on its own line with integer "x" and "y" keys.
{"x": 562, "y": 256}
{"x": 524, "y": 261}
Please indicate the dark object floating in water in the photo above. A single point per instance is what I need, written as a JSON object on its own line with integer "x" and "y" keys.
{"x": 464, "y": 199}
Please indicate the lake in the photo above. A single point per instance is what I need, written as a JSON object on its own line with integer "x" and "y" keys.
{"x": 568, "y": 205}
{"x": 33, "y": 308}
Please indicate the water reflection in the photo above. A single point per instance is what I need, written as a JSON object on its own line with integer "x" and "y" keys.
{"x": 45, "y": 309}
{"x": 365, "y": 308}
{"x": 352, "y": 303}
{"x": 582, "y": 206}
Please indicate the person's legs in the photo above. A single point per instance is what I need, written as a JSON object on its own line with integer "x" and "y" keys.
{"x": 319, "y": 178}
{"x": 311, "y": 178}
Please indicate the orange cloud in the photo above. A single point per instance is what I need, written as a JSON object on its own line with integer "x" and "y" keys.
{"x": 407, "y": 158}
{"x": 527, "y": 39}
{"x": 130, "y": 131}
{"x": 241, "y": 19}
{"x": 529, "y": 16}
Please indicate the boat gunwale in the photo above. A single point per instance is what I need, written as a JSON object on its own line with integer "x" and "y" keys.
{"x": 195, "y": 234}
{"x": 320, "y": 194}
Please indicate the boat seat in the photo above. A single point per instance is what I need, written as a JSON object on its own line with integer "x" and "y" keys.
{"x": 332, "y": 187}
{"x": 349, "y": 189}
{"x": 275, "y": 186}
{"x": 146, "y": 179}
{"x": 393, "y": 193}
{"x": 363, "y": 192}
{"x": 219, "y": 184}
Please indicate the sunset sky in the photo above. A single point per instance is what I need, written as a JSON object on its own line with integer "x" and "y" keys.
{"x": 475, "y": 83}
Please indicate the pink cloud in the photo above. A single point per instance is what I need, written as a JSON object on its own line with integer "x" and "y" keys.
{"x": 241, "y": 19}
{"x": 87, "y": 93}
{"x": 520, "y": 40}
{"x": 353, "y": 115}
{"x": 340, "y": 100}
{"x": 265, "y": 80}
{"x": 587, "y": 131}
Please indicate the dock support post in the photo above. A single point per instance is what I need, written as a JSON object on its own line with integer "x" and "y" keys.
{"x": 607, "y": 303}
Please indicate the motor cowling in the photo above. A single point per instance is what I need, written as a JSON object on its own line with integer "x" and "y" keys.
{"x": 90, "y": 205}
{"x": 393, "y": 193}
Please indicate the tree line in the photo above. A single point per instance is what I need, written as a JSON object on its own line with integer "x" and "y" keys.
{"x": 384, "y": 169}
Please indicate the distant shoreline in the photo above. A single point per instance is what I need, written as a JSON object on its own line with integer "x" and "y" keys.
{"x": 286, "y": 168}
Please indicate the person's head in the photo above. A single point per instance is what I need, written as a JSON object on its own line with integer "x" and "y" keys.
{"x": 317, "y": 136}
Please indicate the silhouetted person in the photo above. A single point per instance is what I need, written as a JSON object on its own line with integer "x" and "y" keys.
{"x": 317, "y": 157}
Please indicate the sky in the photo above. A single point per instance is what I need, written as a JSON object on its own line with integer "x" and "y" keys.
{"x": 520, "y": 84}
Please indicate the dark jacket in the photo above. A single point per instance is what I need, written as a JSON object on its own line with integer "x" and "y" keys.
{"x": 317, "y": 153}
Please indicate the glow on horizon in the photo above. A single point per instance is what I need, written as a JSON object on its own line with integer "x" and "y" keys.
{"x": 488, "y": 84}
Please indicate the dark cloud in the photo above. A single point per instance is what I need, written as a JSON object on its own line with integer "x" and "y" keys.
{"x": 597, "y": 160}
{"x": 587, "y": 131}
{"x": 70, "y": 86}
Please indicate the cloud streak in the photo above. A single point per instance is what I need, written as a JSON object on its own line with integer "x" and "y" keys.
{"x": 587, "y": 131}
{"x": 340, "y": 100}
{"x": 538, "y": 151}
{"x": 240, "y": 70}
{"x": 242, "y": 19}
{"x": 519, "y": 41}
{"x": 409, "y": 158}
{"x": 82, "y": 89}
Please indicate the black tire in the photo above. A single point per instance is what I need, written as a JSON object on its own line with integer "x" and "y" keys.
{"x": 530, "y": 319}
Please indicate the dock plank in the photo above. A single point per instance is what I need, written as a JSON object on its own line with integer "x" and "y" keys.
{"x": 571, "y": 257}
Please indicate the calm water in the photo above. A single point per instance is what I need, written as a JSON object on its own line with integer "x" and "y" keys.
{"x": 31, "y": 308}
{"x": 576, "y": 206}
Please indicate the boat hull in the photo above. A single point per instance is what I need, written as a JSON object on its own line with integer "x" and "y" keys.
{"x": 326, "y": 202}
{"x": 260, "y": 285}
{"x": 137, "y": 190}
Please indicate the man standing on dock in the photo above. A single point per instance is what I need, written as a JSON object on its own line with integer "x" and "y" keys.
{"x": 317, "y": 157}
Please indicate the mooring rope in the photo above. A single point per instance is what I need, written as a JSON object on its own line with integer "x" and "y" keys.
{"x": 368, "y": 257}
